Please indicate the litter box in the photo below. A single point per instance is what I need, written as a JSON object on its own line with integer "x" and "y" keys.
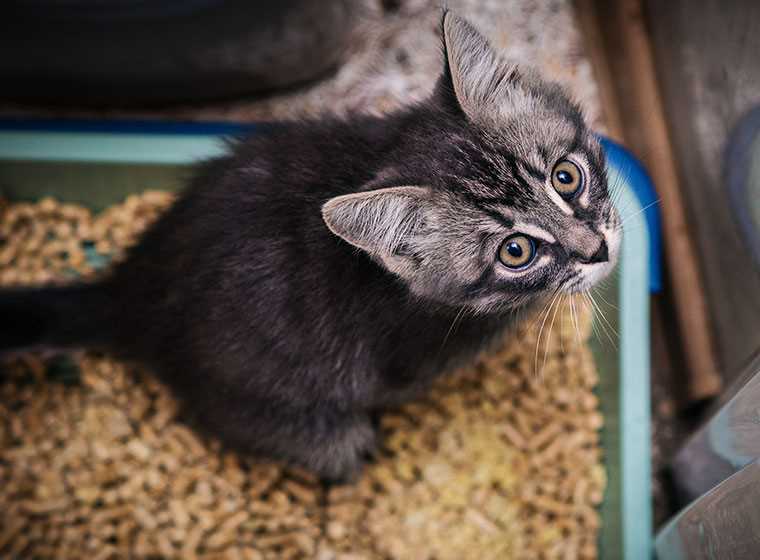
{"x": 99, "y": 163}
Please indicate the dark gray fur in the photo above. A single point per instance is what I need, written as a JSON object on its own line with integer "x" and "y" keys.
{"x": 284, "y": 336}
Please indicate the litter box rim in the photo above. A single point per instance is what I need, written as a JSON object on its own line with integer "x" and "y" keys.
{"x": 634, "y": 344}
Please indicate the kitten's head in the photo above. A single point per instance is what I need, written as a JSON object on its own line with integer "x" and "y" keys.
{"x": 512, "y": 204}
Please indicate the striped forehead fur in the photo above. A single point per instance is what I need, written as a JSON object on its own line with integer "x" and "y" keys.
{"x": 479, "y": 156}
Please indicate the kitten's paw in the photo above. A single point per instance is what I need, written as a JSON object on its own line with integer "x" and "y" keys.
{"x": 342, "y": 459}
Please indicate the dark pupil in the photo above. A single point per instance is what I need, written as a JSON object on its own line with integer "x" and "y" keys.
{"x": 564, "y": 177}
{"x": 514, "y": 249}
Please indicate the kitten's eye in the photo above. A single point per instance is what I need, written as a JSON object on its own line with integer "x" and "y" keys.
{"x": 567, "y": 179}
{"x": 517, "y": 251}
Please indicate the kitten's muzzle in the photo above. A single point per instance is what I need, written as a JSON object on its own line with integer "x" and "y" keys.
{"x": 601, "y": 255}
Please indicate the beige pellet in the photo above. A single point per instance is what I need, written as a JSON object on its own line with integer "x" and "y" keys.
{"x": 226, "y": 532}
{"x": 11, "y": 529}
{"x": 303, "y": 494}
{"x": 550, "y": 433}
{"x": 165, "y": 546}
{"x": 145, "y": 518}
{"x": 106, "y": 552}
{"x": 251, "y": 554}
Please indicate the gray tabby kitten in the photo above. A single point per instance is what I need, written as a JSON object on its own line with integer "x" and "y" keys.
{"x": 312, "y": 277}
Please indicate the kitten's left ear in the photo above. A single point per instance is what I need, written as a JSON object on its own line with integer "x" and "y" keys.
{"x": 386, "y": 223}
{"x": 480, "y": 77}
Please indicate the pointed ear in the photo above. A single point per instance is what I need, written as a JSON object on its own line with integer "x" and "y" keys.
{"x": 382, "y": 222}
{"x": 480, "y": 78}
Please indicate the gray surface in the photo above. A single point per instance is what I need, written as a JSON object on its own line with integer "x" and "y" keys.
{"x": 396, "y": 56}
{"x": 706, "y": 53}
{"x": 743, "y": 175}
{"x": 723, "y": 524}
{"x": 727, "y": 443}
{"x": 157, "y": 52}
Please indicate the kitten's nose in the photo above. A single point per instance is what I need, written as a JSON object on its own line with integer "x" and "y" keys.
{"x": 601, "y": 255}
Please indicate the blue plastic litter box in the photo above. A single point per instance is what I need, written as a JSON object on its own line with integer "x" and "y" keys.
{"x": 99, "y": 163}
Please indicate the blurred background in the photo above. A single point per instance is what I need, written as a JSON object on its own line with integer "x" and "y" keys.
{"x": 677, "y": 83}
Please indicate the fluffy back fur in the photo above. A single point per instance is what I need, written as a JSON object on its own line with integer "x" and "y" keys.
{"x": 311, "y": 277}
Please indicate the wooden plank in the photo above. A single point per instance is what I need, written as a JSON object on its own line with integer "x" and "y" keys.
{"x": 639, "y": 107}
{"x": 721, "y": 524}
{"x": 707, "y": 62}
{"x": 591, "y": 26}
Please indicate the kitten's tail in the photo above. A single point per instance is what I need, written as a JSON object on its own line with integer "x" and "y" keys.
{"x": 58, "y": 317}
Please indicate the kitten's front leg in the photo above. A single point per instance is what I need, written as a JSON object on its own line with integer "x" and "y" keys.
{"x": 331, "y": 441}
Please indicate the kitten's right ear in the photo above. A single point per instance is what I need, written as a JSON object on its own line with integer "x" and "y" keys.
{"x": 479, "y": 76}
{"x": 385, "y": 223}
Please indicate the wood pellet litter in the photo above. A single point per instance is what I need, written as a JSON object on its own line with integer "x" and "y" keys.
{"x": 496, "y": 462}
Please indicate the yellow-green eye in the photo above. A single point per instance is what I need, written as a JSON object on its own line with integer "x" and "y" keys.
{"x": 567, "y": 179}
{"x": 517, "y": 251}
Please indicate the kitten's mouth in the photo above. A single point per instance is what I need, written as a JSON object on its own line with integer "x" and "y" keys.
{"x": 589, "y": 275}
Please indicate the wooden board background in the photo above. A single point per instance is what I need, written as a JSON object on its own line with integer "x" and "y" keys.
{"x": 707, "y": 54}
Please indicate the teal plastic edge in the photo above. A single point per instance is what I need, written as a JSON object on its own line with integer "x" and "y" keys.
{"x": 635, "y": 397}
{"x": 108, "y": 147}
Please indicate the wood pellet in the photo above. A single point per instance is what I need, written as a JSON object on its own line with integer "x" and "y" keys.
{"x": 495, "y": 462}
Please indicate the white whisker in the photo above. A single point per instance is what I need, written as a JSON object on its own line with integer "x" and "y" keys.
{"x": 639, "y": 211}
{"x": 451, "y": 328}
{"x": 541, "y": 330}
{"x": 590, "y": 309}
{"x": 574, "y": 315}
{"x": 549, "y": 335}
{"x": 603, "y": 322}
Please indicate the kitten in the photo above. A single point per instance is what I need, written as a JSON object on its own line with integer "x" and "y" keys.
{"x": 311, "y": 277}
